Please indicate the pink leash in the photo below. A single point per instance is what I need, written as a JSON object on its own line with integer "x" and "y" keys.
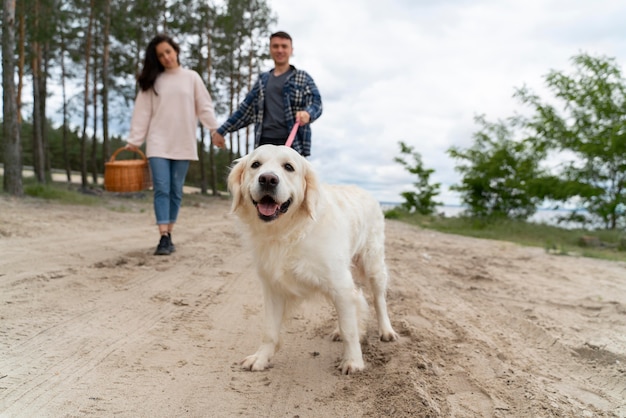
{"x": 292, "y": 134}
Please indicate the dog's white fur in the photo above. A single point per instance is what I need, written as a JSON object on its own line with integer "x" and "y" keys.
{"x": 310, "y": 238}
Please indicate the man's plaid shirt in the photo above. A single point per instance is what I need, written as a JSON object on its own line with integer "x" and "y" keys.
{"x": 299, "y": 93}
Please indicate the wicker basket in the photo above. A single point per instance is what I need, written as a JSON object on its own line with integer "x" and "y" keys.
{"x": 127, "y": 175}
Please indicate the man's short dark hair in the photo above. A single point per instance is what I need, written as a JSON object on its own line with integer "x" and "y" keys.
{"x": 281, "y": 34}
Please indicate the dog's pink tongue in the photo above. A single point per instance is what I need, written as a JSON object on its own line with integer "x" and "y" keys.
{"x": 267, "y": 209}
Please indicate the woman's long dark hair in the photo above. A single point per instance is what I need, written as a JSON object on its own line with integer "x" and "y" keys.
{"x": 151, "y": 65}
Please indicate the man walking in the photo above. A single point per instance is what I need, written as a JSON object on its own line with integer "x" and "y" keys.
{"x": 280, "y": 98}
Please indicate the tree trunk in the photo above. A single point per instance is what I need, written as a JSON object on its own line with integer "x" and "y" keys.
{"x": 43, "y": 99}
{"x": 231, "y": 103}
{"x": 94, "y": 104}
{"x": 21, "y": 61}
{"x": 38, "y": 119}
{"x": 250, "y": 71}
{"x": 237, "y": 99}
{"x": 201, "y": 153}
{"x": 12, "y": 182}
{"x": 209, "y": 67}
{"x": 203, "y": 179}
{"x": 37, "y": 141}
{"x": 106, "y": 153}
{"x": 83, "y": 140}
{"x": 65, "y": 134}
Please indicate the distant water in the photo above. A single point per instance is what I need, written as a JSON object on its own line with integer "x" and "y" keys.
{"x": 545, "y": 216}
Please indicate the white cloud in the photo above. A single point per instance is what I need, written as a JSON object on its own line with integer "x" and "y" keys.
{"x": 420, "y": 70}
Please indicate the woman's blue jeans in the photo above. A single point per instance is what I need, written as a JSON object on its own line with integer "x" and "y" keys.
{"x": 168, "y": 178}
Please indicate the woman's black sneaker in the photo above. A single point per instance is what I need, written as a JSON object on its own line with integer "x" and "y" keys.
{"x": 164, "y": 247}
{"x": 172, "y": 247}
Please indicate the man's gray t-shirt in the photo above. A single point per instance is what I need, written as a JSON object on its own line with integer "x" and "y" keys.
{"x": 274, "y": 126}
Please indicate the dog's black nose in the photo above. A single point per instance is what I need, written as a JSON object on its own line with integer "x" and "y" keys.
{"x": 268, "y": 180}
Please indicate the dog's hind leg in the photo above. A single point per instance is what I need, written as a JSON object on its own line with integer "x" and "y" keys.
{"x": 377, "y": 276}
{"x": 274, "y": 312}
{"x": 385, "y": 330}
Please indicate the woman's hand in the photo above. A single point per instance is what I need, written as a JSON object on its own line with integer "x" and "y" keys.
{"x": 218, "y": 140}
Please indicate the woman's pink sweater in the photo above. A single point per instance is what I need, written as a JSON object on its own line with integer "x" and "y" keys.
{"x": 168, "y": 121}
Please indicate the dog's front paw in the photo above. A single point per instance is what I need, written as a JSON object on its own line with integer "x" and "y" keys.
{"x": 255, "y": 363}
{"x": 351, "y": 366}
{"x": 388, "y": 336}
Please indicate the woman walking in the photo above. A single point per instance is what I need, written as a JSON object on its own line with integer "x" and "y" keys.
{"x": 170, "y": 102}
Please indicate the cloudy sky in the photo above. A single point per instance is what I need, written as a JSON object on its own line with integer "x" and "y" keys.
{"x": 419, "y": 71}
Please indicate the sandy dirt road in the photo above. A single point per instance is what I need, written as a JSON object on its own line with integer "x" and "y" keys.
{"x": 93, "y": 325}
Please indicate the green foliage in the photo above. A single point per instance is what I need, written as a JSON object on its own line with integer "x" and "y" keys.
{"x": 395, "y": 213}
{"x": 589, "y": 124}
{"x": 501, "y": 175}
{"x": 421, "y": 200}
{"x": 502, "y": 172}
{"x": 552, "y": 247}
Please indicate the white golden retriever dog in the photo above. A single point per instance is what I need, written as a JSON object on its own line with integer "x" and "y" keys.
{"x": 310, "y": 238}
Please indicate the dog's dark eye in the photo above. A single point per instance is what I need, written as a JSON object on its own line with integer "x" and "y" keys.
{"x": 256, "y": 164}
{"x": 289, "y": 167}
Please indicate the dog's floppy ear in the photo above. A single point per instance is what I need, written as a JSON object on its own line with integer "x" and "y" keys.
{"x": 235, "y": 178}
{"x": 311, "y": 191}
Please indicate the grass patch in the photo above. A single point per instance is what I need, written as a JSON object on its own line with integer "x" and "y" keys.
{"x": 61, "y": 193}
{"x": 73, "y": 194}
{"x": 604, "y": 244}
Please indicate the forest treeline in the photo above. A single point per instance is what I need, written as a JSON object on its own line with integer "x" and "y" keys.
{"x": 566, "y": 150}
{"x": 85, "y": 54}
